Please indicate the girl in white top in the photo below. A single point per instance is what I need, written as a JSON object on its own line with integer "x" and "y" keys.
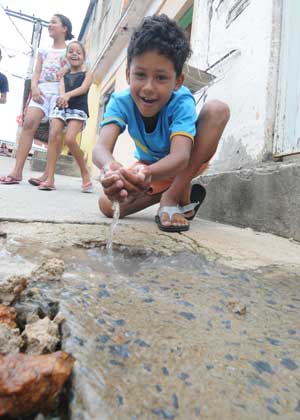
{"x": 45, "y": 90}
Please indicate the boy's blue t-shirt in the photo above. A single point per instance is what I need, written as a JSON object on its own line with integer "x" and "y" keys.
{"x": 178, "y": 116}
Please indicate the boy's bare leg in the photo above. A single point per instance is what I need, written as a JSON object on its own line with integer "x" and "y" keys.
{"x": 211, "y": 123}
{"x": 131, "y": 206}
{"x": 31, "y": 123}
{"x": 210, "y": 126}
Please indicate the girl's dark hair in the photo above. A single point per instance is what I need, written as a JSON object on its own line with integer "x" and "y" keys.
{"x": 67, "y": 24}
{"x": 78, "y": 43}
{"x": 161, "y": 34}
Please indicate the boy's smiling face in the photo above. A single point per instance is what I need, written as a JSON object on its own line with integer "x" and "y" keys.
{"x": 152, "y": 79}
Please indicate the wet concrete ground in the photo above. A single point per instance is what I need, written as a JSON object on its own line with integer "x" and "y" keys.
{"x": 199, "y": 325}
{"x": 172, "y": 328}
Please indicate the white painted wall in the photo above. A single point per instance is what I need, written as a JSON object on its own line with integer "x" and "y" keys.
{"x": 242, "y": 80}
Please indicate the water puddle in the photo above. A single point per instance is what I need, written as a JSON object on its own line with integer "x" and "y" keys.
{"x": 158, "y": 337}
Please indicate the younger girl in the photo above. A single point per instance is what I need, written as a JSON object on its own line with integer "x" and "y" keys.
{"x": 71, "y": 111}
{"x": 45, "y": 90}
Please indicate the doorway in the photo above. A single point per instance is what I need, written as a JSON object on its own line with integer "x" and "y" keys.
{"x": 287, "y": 132}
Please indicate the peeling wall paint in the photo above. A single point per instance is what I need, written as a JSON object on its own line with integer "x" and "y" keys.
{"x": 242, "y": 79}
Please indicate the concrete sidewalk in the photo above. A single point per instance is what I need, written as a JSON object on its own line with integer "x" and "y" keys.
{"x": 243, "y": 248}
{"x": 67, "y": 204}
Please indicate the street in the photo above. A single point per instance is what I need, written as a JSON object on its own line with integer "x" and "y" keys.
{"x": 203, "y": 324}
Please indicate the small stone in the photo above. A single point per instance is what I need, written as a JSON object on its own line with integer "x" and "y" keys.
{"x": 8, "y": 316}
{"x": 183, "y": 376}
{"x": 41, "y": 336}
{"x": 51, "y": 269}
{"x": 165, "y": 371}
{"x": 141, "y": 343}
{"x": 187, "y": 315}
{"x": 163, "y": 414}
{"x": 31, "y": 384}
{"x": 119, "y": 351}
{"x": 175, "y": 401}
{"x": 237, "y": 307}
{"x": 289, "y": 364}
{"x": 10, "y": 339}
{"x": 12, "y": 288}
{"x": 262, "y": 366}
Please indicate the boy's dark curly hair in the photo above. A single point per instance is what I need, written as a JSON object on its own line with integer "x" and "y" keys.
{"x": 161, "y": 34}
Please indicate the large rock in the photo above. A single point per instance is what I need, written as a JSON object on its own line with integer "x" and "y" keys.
{"x": 12, "y": 288}
{"x": 51, "y": 269}
{"x": 8, "y": 316}
{"x": 10, "y": 339}
{"x": 30, "y": 384}
{"x": 42, "y": 336}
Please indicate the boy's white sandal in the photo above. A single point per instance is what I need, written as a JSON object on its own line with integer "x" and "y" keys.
{"x": 171, "y": 210}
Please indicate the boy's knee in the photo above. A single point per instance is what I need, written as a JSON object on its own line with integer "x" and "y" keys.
{"x": 217, "y": 110}
{"x": 105, "y": 206}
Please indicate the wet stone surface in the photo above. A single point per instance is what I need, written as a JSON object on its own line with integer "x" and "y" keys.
{"x": 156, "y": 337}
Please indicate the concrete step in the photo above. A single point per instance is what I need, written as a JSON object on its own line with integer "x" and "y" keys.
{"x": 66, "y": 165}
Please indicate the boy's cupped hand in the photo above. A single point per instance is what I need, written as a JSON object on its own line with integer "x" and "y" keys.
{"x": 120, "y": 184}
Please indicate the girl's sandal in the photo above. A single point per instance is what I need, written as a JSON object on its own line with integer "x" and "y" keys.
{"x": 87, "y": 188}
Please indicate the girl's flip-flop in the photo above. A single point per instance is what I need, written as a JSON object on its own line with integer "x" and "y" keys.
{"x": 45, "y": 187}
{"x": 35, "y": 181}
{"x": 87, "y": 188}
{"x": 9, "y": 180}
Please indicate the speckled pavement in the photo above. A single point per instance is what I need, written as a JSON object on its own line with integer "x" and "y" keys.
{"x": 198, "y": 325}
{"x": 203, "y": 324}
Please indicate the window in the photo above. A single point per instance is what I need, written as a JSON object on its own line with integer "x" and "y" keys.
{"x": 185, "y": 22}
{"x": 102, "y": 104}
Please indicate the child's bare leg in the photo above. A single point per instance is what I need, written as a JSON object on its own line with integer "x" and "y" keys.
{"x": 128, "y": 207}
{"x": 210, "y": 126}
{"x": 74, "y": 127}
{"x": 58, "y": 146}
{"x": 31, "y": 123}
{"x": 54, "y": 147}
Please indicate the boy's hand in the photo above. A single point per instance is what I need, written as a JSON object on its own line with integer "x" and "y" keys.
{"x": 113, "y": 186}
{"x": 137, "y": 178}
{"x": 120, "y": 184}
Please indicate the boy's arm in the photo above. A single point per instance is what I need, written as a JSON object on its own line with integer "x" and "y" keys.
{"x": 112, "y": 184}
{"x": 176, "y": 161}
{"x": 102, "y": 153}
{"x": 115, "y": 186}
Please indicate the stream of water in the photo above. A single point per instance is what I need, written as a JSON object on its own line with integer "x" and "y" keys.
{"x": 113, "y": 226}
